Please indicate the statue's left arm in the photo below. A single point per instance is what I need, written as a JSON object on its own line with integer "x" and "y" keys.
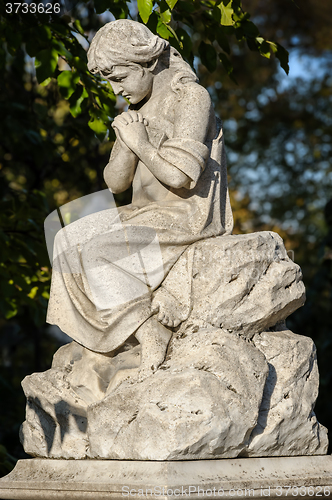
{"x": 179, "y": 161}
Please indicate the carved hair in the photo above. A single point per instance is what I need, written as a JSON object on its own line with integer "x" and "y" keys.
{"x": 125, "y": 42}
{"x": 183, "y": 72}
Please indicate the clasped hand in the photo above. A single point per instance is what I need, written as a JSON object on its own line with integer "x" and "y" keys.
{"x": 130, "y": 126}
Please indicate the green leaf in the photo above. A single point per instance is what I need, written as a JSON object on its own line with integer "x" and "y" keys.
{"x": 281, "y": 54}
{"x": 208, "y": 55}
{"x": 239, "y": 14}
{"x": 162, "y": 30}
{"x": 32, "y": 46}
{"x": 76, "y": 100}
{"x": 12, "y": 312}
{"x": 173, "y": 33}
{"x": 145, "y": 9}
{"x": 107, "y": 103}
{"x": 67, "y": 81}
{"x": 37, "y": 38}
{"x": 227, "y": 12}
{"x": 222, "y": 40}
{"x": 186, "y": 42}
{"x": 61, "y": 49}
{"x": 265, "y": 49}
{"x": 102, "y": 5}
{"x": 227, "y": 65}
{"x": 119, "y": 10}
{"x": 239, "y": 33}
{"x": 33, "y": 292}
{"x": 98, "y": 125}
{"x": 99, "y": 122}
{"x": 78, "y": 26}
{"x": 79, "y": 63}
{"x": 46, "y": 82}
{"x": 252, "y": 44}
{"x": 45, "y": 63}
{"x": 60, "y": 29}
{"x": 166, "y": 16}
{"x": 185, "y": 6}
{"x": 250, "y": 29}
{"x": 43, "y": 31}
{"x": 171, "y": 3}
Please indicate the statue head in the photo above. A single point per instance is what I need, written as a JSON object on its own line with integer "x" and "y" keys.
{"x": 126, "y": 53}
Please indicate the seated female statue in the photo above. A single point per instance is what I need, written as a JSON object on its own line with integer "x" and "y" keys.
{"x": 169, "y": 148}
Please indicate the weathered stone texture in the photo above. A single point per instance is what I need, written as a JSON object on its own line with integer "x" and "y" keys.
{"x": 238, "y": 390}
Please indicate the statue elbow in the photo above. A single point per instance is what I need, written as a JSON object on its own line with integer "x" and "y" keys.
{"x": 180, "y": 180}
{"x": 116, "y": 184}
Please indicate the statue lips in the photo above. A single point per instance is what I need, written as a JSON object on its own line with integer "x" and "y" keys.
{"x": 127, "y": 96}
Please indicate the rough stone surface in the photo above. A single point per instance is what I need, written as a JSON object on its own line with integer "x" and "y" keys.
{"x": 274, "y": 478}
{"x": 242, "y": 283}
{"x": 56, "y": 422}
{"x": 218, "y": 394}
{"x": 286, "y": 416}
{"x": 202, "y": 404}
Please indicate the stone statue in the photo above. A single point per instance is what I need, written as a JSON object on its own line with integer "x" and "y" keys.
{"x": 169, "y": 149}
{"x": 180, "y": 348}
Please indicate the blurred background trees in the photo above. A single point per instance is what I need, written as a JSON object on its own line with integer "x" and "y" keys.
{"x": 55, "y": 139}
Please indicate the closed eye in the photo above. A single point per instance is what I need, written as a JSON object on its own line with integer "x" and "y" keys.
{"x": 105, "y": 73}
{"x": 118, "y": 80}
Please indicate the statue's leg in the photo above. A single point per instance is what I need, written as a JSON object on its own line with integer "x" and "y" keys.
{"x": 154, "y": 339}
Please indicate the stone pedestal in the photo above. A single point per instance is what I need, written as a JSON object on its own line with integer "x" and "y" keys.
{"x": 34, "y": 479}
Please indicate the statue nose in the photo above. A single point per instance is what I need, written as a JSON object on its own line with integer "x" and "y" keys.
{"x": 117, "y": 89}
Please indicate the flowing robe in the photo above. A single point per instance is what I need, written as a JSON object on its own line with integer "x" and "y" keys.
{"x": 108, "y": 264}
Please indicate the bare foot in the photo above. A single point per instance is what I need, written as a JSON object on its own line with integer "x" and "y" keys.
{"x": 168, "y": 309}
{"x": 154, "y": 339}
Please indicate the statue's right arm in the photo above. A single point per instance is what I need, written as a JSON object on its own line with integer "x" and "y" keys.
{"x": 120, "y": 170}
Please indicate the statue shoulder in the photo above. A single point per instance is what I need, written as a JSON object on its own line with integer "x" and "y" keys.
{"x": 194, "y": 95}
{"x": 193, "y": 114}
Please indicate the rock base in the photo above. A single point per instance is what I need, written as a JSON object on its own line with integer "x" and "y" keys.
{"x": 36, "y": 479}
{"x": 235, "y": 383}
{"x": 216, "y": 396}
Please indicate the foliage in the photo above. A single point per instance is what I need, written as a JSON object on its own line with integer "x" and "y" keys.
{"x": 50, "y": 37}
{"x": 217, "y": 21}
{"x": 24, "y": 262}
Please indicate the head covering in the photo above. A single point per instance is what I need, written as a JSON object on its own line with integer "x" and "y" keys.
{"x": 123, "y": 42}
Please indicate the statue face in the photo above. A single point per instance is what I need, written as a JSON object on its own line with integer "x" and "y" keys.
{"x": 133, "y": 82}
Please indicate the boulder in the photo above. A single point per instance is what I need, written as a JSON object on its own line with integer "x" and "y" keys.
{"x": 242, "y": 283}
{"x": 235, "y": 381}
{"x": 202, "y": 403}
{"x": 287, "y": 424}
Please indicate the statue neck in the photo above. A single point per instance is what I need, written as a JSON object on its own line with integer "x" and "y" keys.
{"x": 161, "y": 82}
{"x": 160, "y": 86}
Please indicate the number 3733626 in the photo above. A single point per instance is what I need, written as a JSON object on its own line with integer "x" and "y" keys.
{"x": 48, "y": 8}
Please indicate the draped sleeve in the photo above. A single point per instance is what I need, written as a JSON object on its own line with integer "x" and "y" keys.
{"x": 187, "y": 155}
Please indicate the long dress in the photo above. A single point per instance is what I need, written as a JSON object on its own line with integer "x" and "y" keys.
{"x": 108, "y": 264}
